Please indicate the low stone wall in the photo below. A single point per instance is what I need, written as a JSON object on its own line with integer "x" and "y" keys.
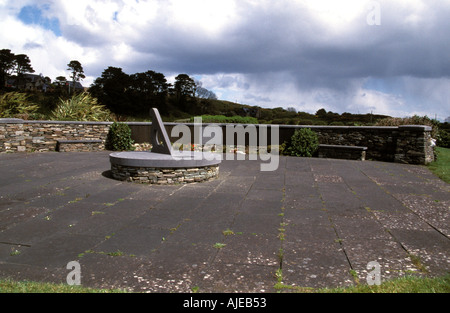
{"x": 403, "y": 144}
{"x": 164, "y": 176}
{"x": 42, "y": 136}
{"x": 410, "y": 144}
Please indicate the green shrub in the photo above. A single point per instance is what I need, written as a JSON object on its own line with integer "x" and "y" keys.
{"x": 16, "y": 104}
{"x": 443, "y": 139}
{"x": 119, "y": 138}
{"x": 81, "y": 107}
{"x": 304, "y": 143}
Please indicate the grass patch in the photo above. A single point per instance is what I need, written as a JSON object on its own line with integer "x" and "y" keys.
{"x": 10, "y": 286}
{"x": 407, "y": 284}
{"x": 441, "y": 167}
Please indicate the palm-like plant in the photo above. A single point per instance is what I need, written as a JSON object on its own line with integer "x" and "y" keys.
{"x": 81, "y": 107}
{"x": 16, "y": 104}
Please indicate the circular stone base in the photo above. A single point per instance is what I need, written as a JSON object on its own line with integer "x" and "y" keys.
{"x": 162, "y": 169}
{"x": 168, "y": 176}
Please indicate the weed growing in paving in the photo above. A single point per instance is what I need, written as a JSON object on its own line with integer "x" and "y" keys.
{"x": 418, "y": 263}
{"x": 228, "y": 232}
{"x": 219, "y": 245}
{"x": 14, "y": 252}
{"x": 114, "y": 253}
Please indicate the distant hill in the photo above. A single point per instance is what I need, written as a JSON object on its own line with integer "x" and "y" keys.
{"x": 171, "y": 110}
{"x": 278, "y": 115}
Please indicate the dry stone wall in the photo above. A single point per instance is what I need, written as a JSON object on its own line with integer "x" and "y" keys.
{"x": 404, "y": 144}
{"x": 410, "y": 144}
{"x": 43, "y": 136}
{"x": 164, "y": 176}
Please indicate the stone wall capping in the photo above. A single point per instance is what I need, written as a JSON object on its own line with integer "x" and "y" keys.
{"x": 20, "y": 121}
{"x": 268, "y": 125}
{"x": 415, "y": 127}
{"x": 344, "y": 147}
{"x": 11, "y": 121}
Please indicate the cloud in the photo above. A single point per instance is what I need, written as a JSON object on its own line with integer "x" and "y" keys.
{"x": 303, "y": 54}
{"x": 32, "y": 45}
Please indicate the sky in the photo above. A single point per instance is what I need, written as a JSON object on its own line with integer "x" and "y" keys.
{"x": 359, "y": 56}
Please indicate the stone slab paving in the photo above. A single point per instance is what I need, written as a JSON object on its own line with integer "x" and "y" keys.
{"x": 320, "y": 221}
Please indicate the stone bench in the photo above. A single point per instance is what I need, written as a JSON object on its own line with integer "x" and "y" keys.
{"x": 81, "y": 145}
{"x": 342, "y": 152}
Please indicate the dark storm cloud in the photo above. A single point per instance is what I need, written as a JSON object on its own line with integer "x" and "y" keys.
{"x": 260, "y": 40}
{"x": 268, "y": 39}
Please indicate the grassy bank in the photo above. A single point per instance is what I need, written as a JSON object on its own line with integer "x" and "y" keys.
{"x": 441, "y": 167}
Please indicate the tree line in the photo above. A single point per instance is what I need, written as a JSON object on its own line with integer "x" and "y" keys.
{"x": 15, "y": 70}
{"x": 123, "y": 94}
{"x": 136, "y": 93}
{"x": 11, "y": 64}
